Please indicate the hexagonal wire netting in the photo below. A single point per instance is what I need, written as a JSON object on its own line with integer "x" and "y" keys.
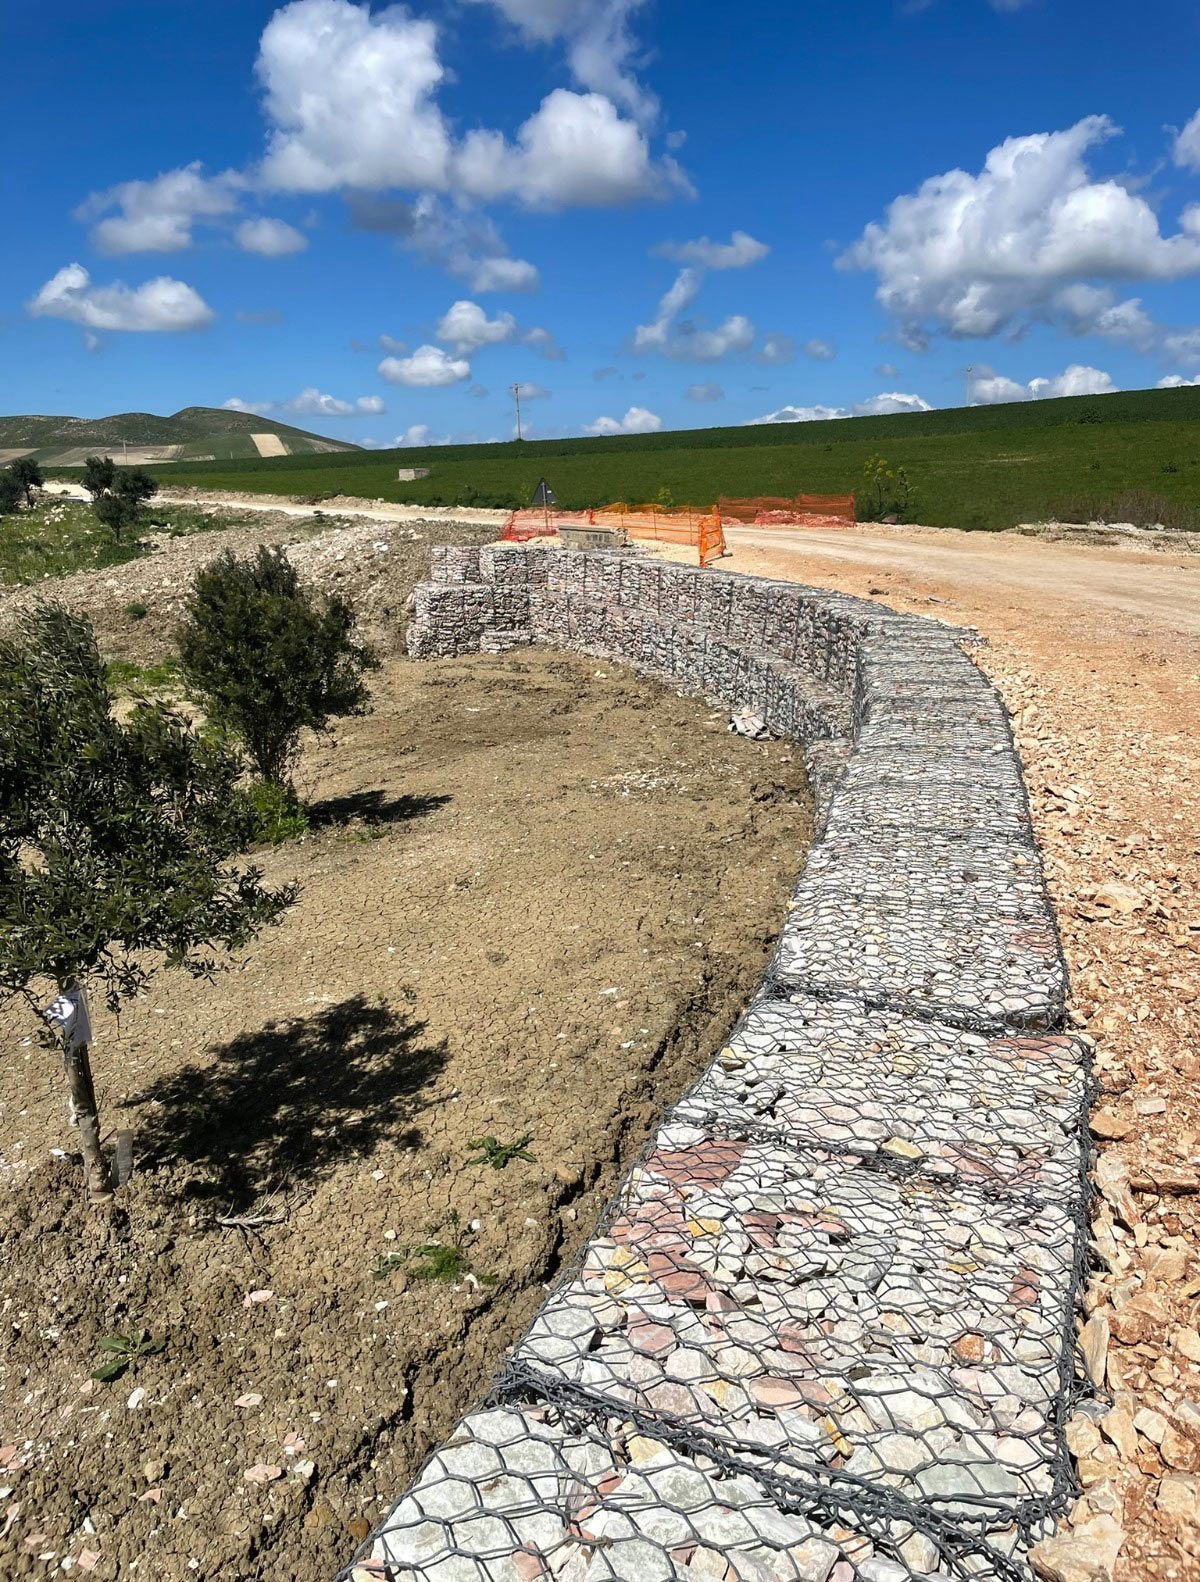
{"x": 825, "y": 1330}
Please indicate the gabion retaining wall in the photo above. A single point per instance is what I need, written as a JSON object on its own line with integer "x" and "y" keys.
{"x": 825, "y": 1331}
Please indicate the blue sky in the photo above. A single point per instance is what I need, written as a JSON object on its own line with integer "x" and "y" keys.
{"x": 372, "y": 220}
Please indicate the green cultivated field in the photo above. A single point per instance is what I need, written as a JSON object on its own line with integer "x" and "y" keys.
{"x": 1132, "y": 456}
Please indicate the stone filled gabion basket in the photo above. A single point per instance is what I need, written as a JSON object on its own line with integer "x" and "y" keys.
{"x": 825, "y": 1330}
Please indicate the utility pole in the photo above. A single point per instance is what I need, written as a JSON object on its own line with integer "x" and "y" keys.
{"x": 970, "y": 371}
{"x": 516, "y": 395}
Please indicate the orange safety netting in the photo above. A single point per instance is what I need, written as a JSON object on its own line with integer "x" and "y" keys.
{"x": 659, "y": 524}
{"x": 804, "y": 510}
{"x": 540, "y": 521}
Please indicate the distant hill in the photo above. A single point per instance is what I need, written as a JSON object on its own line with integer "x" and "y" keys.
{"x": 197, "y": 433}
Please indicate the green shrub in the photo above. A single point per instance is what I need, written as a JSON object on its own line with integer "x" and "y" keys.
{"x": 120, "y": 508}
{"x": 137, "y": 611}
{"x": 267, "y": 658}
{"x": 275, "y": 814}
{"x": 99, "y": 475}
{"x": 11, "y": 492}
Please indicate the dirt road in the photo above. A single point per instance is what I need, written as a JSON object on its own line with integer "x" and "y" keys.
{"x": 340, "y": 505}
{"x": 280, "y": 505}
{"x": 1151, "y": 592}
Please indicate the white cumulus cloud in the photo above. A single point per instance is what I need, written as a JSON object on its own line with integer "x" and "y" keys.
{"x": 156, "y": 216}
{"x": 575, "y": 151}
{"x": 1187, "y": 144}
{"x": 874, "y": 406}
{"x": 686, "y": 341}
{"x": 269, "y": 238}
{"x": 738, "y": 253}
{"x": 161, "y": 304}
{"x": 258, "y": 408}
{"x": 974, "y": 255}
{"x": 455, "y": 238}
{"x": 820, "y": 351}
{"x": 598, "y": 40}
{"x": 988, "y": 388}
{"x": 1176, "y": 382}
{"x": 418, "y": 436}
{"x": 429, "y": 367}
{"x": 708, "y": 392}
{"x": 636, "y": 421}
{"x": 350, "y": 96}
{"x": 352, "y": 100}
{"x": 310, "y": 403}
{"x": 466, "y": 328}
{"x": 776, "y": 348}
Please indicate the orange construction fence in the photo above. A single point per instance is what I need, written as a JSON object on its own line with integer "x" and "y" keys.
{"x": 658, "y": 524}
{"x": 804, "y": 510}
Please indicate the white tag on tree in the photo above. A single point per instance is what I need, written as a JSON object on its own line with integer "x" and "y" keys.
{"x": 67, "y": 1013}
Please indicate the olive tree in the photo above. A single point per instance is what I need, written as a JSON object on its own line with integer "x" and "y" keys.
{"x": 268, "y": 658}
{"x": 28, "y": 475}
{"x": 120, "y": 506}
{"x": 11, "y": 492}
{"x": 99, "y": 475}
{"x": 115, "y": 847}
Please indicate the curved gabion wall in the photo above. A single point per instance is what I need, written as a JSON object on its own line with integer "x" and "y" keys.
{"x": 825, "y": 1330}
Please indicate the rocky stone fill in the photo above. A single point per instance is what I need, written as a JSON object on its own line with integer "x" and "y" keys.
{"x": 825, "y": 1332}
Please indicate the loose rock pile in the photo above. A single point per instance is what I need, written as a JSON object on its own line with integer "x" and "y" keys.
{"x": 826, "y": 1330}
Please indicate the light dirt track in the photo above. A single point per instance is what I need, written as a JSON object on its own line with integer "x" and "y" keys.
{"x": 1155, "y": 593}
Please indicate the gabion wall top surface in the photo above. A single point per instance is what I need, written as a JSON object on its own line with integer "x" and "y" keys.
{"x": 825, "y": 1331}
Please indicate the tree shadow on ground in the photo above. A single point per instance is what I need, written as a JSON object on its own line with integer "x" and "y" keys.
{"x": 283, "y": 1106}
{"x": 371, "y": 807}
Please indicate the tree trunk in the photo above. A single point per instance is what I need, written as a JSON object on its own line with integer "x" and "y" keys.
{"x": 85, "y": 1116}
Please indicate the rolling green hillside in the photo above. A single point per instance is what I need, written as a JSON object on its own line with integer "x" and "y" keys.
{"x": 973, "y": 467}
{"x": 194, "y": 433}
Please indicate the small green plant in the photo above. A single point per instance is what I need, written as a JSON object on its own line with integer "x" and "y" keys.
{"x": 429, "y": 1260}
{"x": 499, "y": 1155}
{"x": 126, "y": 1350}
{"x": 137, "y": 611}
{"x": 276, "y": 814}
{"x": 887, "y": 490}
{"x": 435, "y": 1259}
{"x": 126, "y": 675}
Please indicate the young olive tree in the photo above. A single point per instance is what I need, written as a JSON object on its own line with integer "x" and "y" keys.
{"x": 267, "y": 658}
{"x": 11, "y": 492}
{"x": 120, "y": 507}
{"x": 99, "y": 475}
{"x": 28, "y": 475}
{"x": 115, "y": 840}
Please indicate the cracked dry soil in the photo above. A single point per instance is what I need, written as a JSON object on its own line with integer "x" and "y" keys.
{"x": 537, "y": 893}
